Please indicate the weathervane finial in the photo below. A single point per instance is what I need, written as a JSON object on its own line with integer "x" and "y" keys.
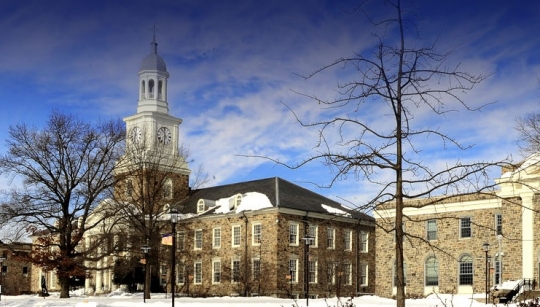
{"x": 153, "y": 43}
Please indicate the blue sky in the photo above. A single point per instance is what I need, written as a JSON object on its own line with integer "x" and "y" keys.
{"x": 233, "y": 63}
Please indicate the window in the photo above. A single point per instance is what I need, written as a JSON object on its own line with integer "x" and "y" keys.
{"x": 198, "y": 239}
{"x": 129, "y": 188}
{"x": 25, "y": 271}
{"x": 465, "y": 227}
{"x": 200, "y": 206}
{"x": 312, "y": 233}
{"x": 167, "y": 189}
{"x": 293, "y": 234}
{"x": 4, "y": 269}
{"x": 465, "y": 270}
{"x": 330, "y": 276}
{"x": 293, "y": 269}
{"x": 181, "y": 241}
{"x": 197, "y": 278}
{"x": 498, "y": 224}
{"x": 431, "y": 227}
{"x": 180, "y": 274}
{"x": 432, "y": 271}
{"x": 216, "y": 271}
{"x": 236, "y": 270}
{"x": 347, "y": 239}
{"x": 330, "y": 235}
{"x": 404, "y": 274}
{"x": 257, "y": 234}
{"x": 256, "y": 269}
{"x": 347, "y": 274}
{"x": 497, "y": 270}
{"x": 216, "y": 241}
{"x": 236, "y": 236}
{"x": 312, "y": 271}
{"x": 364, "y": 242}
{"x": 363, "y": 274}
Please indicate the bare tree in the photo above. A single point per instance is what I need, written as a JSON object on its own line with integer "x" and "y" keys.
{"x": 66, "y": 171}
{"x": 528, "y": 127}
{"x": 406, "y": 79}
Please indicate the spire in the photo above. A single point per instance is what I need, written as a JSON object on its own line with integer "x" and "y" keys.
{"x": 153, "y": 44}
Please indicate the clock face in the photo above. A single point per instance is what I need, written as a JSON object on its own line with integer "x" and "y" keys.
{"x": 164, "y": 135}
{"x": 136, "y": 135}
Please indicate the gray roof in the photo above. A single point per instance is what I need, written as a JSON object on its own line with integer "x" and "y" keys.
{"x": 287, "y": 194}
{"x": 153, "y": 61}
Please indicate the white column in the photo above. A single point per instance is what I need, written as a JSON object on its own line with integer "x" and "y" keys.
{"x": 527, "y": 222}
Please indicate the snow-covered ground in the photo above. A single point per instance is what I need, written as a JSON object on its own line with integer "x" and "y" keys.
{"x": 119, "y": 299}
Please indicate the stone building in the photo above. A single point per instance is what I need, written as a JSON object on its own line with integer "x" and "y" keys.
{"x": 271, "y": 237}
{"x": 18, "y": 277}
{"x": 465, "y": 243}
{"x": 261, "y": 237}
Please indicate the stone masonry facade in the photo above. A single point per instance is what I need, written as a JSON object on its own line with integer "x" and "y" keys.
{"x": 449, "y": 247}
{"x": 265, "y": 268}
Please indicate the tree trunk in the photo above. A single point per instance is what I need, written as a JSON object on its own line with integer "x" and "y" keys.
{"x": 64, "y": 286}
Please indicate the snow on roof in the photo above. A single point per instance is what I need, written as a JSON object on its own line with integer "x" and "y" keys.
{"x": 250, "y": 201}
{"x": 336, "y": 211}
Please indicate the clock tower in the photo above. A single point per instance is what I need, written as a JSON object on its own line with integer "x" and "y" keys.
{"x": 152, "y": 130}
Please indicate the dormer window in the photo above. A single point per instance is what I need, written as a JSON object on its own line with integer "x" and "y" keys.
{"x": 235, "y": 201}
{"x": 200, "y": 206}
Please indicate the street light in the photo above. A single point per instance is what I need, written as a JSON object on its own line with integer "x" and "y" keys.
{"x": 174, "y": 219}
{"x": 145, "y": 249}
{"x": 1, "y": 275}
{"x": 486, "y": 247}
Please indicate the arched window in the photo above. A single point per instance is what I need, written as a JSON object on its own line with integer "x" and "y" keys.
{"x": 143, "y": 89}
{"x": 432, "y": 271}
{"x": 167, "y": 189}
{"x": 465, "y": 270}
{"x": 151, "y": 88}
{"x": 160, "y": 89}
{"x": 404, "y": 274}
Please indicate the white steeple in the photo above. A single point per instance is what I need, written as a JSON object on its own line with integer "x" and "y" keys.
{"x": 153, "y": 78}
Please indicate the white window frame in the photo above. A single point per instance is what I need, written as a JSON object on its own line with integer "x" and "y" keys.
{"x": 236, "y": 239}
{"x": 197, "y": 272}
{"x": 198, "y": 244}
{"x": 364, "y": 274}
{"x": 181, "y": 240}
{"x": 313, "y": 233}
{"x": 216, "y": 271}
{"x": 294, "y": 233}
{"x": 312, "y": 271}
{"x": 428, "y": 231}
{"x": 498, "y": 224}
{"x": 330, "y": 238}
{"x": 256, "y": 269}
{"x": 347, "y": 274}
{"x": 216, "y": 238}
{"x": 236, "y": 274}
{"x": 256, "y": 237}
{"x": 462, "y": 227}
{"x": 293, "y": 270}
{"x": 347, "y": 239}
{"x": 364, "y": 241}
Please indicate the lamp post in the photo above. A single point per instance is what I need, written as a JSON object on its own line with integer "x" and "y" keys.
{"x": 145, "y": 249}
{"x": 486, "y": 247}
{"x": 174, "y": 219}
{"x": 307, "y": 239}
{"x": 1, "y": 275}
